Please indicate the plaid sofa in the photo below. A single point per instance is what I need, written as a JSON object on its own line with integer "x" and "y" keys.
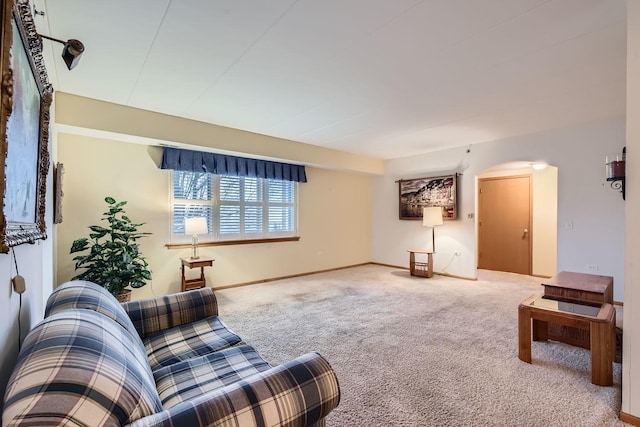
{"x": 165, "y": 361}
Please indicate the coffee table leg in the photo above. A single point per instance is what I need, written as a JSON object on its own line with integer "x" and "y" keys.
{"x": 524, "y": 334}
{"x": 613, "y": 337}
{"x": 412, "y": 263}
{"x": 601, "y": 353}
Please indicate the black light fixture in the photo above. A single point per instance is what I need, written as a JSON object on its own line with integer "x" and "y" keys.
{"x": 71, "y": 52}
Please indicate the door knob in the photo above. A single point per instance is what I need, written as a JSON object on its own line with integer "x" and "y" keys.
{"x": 524, "y": 233}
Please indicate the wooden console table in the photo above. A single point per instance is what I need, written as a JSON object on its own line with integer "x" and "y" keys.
{"x": 599, "y": 320}
{"x": 423, "y": 269}
{"x": 578, "y": 287}
{"x": 200, "y": 282}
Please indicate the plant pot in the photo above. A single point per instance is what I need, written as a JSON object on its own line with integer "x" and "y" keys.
{"x": 124, "y": 296}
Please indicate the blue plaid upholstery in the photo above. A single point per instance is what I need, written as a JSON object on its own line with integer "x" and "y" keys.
{"x": 154, "y": 315}
{"x": 189, "y": 340}
{"x": 87, "y": 295}
{"x": 85, "y": 364}
{"x": 78, "y": 367}
{"x": 300, "y": 392}
{"x": 194, "y": 377}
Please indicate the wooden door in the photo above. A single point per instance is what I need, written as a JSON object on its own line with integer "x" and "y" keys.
{"x": 504, "y": 224}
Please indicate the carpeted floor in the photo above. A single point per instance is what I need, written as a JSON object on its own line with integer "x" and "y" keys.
{"x": 423, "y": 352}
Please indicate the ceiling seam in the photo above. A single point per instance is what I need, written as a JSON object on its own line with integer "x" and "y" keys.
{"x": 146, "y": 56}
{"x": 49, "y": 45}
{"x": 242, "y": 55}
{"x": 303, "y": 135}
{"x": 344, "y": 51}
{"x": 380, "y": 28}
{"x": 499, "y": 24}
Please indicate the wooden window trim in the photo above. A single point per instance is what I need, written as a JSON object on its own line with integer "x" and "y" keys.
{"x": 233, "y": 242}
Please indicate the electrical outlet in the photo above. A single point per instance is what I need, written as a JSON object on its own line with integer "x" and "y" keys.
{"x": 457, "y": 253}
{"x": 592, "y": 267}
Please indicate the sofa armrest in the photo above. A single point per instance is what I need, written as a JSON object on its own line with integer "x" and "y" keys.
{"x": 153, "y": 315}
{"x": 300, "y": 392}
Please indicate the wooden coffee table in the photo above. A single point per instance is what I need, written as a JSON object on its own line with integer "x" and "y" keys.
{"x": 599, "y": 320}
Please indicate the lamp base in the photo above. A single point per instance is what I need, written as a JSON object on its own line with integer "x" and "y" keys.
{"x": 194, "y": 247}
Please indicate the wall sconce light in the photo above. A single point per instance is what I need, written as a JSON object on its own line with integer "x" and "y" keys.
{"x": 615, "y": 171}
{"x": 195, "y": 226}
{"x": 72, "y": 51}
{"x": 431, "y": 217}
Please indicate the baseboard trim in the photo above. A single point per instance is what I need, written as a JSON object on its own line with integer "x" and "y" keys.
{"x": 628, "y": 418}
{"x": 439, "y": 273}
{"x": 291, "y": 276}
{"x": 389, "y": 265}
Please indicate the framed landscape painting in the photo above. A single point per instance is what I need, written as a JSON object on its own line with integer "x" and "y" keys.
{"x": 419, "y": 193}
{"x": 24, "y": 125}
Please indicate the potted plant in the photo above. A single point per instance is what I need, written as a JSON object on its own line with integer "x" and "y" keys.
{"x": 114, "y": 260}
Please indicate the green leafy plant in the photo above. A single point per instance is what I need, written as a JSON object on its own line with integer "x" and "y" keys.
{"x": 114, "y": 260}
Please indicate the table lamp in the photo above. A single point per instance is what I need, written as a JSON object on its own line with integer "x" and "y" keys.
{"x": 195, "y": 226}
{"x": 431, "y": 217}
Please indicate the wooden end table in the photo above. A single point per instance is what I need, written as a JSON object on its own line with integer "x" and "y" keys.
{"x": 423, "y": 269}
{"x": 579, "y": 287}
{"x": 200, "y": 282}
{"x": 599, "y": 320}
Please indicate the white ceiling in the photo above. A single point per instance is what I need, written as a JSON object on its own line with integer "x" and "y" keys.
{"x": 385, "y": 78}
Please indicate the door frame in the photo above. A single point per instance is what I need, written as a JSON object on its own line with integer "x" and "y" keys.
{"x": 530, "y": 226}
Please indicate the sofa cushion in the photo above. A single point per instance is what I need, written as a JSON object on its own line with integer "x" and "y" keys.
{"x": 300, "y": 392}
{"x": 78, "y": 367}
{"x": 151, "y": 316}
{"x": 88, "y": 295}
{"x": 188, "y": 341}
{"x": 194, "y": 377}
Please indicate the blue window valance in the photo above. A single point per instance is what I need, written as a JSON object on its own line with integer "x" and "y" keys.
{"x": 221, "y": 164}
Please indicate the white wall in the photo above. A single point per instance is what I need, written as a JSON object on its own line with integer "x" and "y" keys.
{"x": 35, "y": 264}
{"x": 584, "y": 199}
{"x": 545, "y": 221}
{"x": 631, "y": 338}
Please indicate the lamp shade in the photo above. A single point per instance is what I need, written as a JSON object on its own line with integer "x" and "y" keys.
{"x": 195, "y": 226}
{"x": 432, "y": 216}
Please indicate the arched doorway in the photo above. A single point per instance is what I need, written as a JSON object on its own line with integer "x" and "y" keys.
{"x": 514, "y": 221}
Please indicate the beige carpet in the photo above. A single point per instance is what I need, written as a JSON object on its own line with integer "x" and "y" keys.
{"x": 423, "y": 352}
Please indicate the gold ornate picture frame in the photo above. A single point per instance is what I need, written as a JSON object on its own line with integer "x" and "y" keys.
{"x": 26, "y": 97}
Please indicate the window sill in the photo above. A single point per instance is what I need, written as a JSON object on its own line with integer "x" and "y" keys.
{"x": 232, "y": 242}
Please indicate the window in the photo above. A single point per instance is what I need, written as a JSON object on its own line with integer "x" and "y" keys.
{"x": 236, "y": 207}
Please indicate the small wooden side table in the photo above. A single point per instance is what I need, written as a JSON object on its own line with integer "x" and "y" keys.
{"x": 599, "y": 321}
{"x": 422, "y": 269}
{"x": 578, "y": 287}
{"x": 201, "y": 282}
